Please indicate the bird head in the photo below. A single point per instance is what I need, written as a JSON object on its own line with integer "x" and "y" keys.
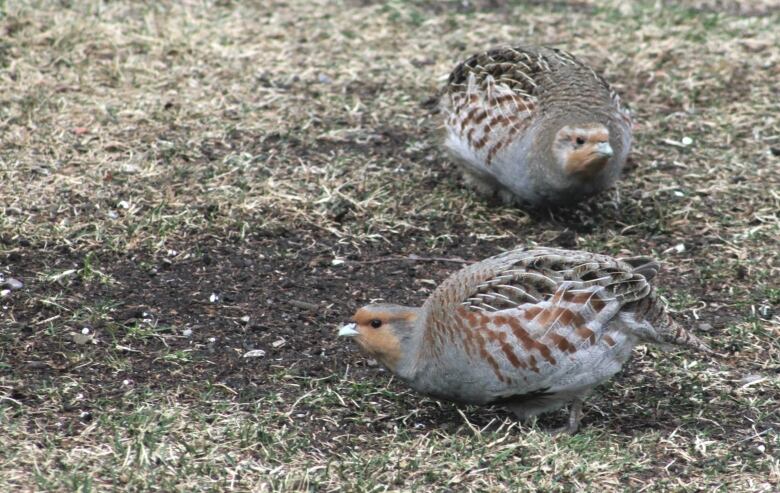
{"x": 384, "y": 331}
{"x": 582, "y": 150}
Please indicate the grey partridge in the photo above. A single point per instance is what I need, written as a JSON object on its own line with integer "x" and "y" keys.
{"x": 531, "y": 329}
{"x": 535, "y": 124}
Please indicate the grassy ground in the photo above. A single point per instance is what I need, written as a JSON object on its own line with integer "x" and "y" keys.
{"x": 190, "y": 181}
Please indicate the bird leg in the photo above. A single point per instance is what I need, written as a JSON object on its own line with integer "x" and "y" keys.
{"x": 575, "y": 415}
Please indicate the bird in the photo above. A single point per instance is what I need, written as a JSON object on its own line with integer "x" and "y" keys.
{"x": 534, "y": 124}
{"x": 531, "y": 329}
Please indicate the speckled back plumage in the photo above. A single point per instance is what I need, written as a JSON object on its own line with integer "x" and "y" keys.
{"x": 503, "y": 108}
{"x": 548, "y": 79}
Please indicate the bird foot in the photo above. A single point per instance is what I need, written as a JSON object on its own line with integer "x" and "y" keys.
{"x": 565, "y": 430}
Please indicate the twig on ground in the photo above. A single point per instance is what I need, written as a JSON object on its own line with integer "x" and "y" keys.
{"x": 412, "y": 258}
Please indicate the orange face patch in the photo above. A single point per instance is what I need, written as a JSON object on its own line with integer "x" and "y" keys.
{"x": 380, "y": 341}
{"x": 585, "y": 161}
{"x": 598, "y": 136}
{"x": 364, "y": 316}
{"x": 583, "y": 158}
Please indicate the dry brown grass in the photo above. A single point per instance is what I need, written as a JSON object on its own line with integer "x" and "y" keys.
{"x": 153, "y": 154}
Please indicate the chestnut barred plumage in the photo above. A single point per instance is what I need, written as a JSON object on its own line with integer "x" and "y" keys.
{"x": 530, "y": 329}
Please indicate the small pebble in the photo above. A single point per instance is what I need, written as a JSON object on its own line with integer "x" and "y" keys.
{"x": 187, "y": 333}
{"x": 751, "y": 379}
{"x": 213, "y": 298}
{"x": 704, "y": 326}
{"x": 255, "y": 353}
{"x": 686, "y": 141}
{"x": 12, "y": 283}
{"x": 81, "y": 338}
{"x": 85, "y": 331}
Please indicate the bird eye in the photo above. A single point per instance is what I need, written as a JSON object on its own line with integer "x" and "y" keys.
{"x": 580, "y": 141}
{"x": 376, "y": 323}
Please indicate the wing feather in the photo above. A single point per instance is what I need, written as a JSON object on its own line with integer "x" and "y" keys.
{"x": 539, "y": 315}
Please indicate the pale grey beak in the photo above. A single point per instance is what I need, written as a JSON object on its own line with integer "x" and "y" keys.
{"x": 348, "y": 331}
{"x": 604, "y": 149}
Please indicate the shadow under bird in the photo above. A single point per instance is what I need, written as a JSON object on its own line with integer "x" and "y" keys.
{"x": 534, "y": 125}
{"x": 532, "y": 329}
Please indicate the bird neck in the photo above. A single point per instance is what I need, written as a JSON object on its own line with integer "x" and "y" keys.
{"x": 439, "y": 333}
{"x": 411, "y": 340}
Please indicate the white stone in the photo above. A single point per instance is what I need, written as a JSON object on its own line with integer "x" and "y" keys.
{"x": 255, "y": 353}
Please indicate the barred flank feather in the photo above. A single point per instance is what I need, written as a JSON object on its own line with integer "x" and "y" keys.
{"x": 531, "y": 329}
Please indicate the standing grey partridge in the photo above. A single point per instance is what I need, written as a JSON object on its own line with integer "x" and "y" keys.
{"x": 529, "y": 329}
{"x": 535, "y": 124}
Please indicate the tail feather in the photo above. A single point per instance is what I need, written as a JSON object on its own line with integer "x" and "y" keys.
{"x": 645, "y": 266}
{"x": 666, "y": 329}
{"x": 675, "y": 333}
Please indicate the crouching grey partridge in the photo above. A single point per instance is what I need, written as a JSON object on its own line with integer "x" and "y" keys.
{"x": 534, "y": 124}
{"x": 530, "y": 329}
